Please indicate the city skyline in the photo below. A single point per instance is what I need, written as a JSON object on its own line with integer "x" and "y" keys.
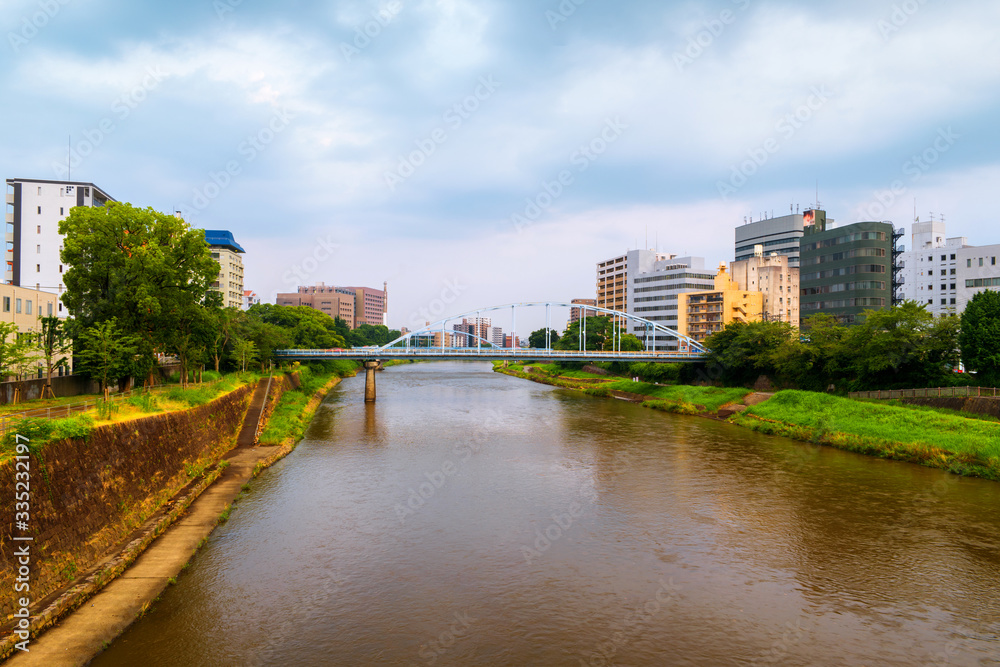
{"x": 483, "y": 153}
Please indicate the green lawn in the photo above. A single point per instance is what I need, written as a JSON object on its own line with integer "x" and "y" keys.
{"x": 712, "y": 398}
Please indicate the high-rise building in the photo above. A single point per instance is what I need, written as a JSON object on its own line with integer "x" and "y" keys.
{"x": 34, "y": 210}
{"x": 701, "y": 314}
{"x": 847, "y": 270}
{"x": 780, "y": 235}
{"x": 370, "y": 305}
{"x": 775, "y": 280}
{"x": 226, "y": 251}
{"x": 581, "y": 310}
{"x": 653, "y": 288}
{"x": 496, "y": 336}
{"x": 944, "y": 273}
{"x": 334, "y": 301}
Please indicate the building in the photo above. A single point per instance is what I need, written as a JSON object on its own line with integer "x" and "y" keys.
{"x": 25, "y": 307}
{"x": 226, "y": 251}
{"x": 34, "y": 210}
{"x": 701, "y": 314}
{"x": 944, "y": 273}
{"x": 477, "y": 327}
{"x": 654, "y": 281}
{"x": 497, "y": 336}
{"x": 370, "y": 305}
{"x": 334, "y": 301}
{"x": 847, "y": 270}
{"x": 780, "y": 235}
{"x": 511, "y": 341}
{"x": 580, "y": 309}
{"x": 775, "y": 279}
{"x": 250, "y": 298}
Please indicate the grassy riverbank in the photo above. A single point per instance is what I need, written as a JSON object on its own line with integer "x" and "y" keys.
{"x": 291, "y": 415}
{"x": 941, "y": 439}
{"x": 964, "y": 444}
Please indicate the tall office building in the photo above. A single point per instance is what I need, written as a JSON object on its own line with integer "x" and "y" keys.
{"x": 34, "y": 209}
{"x": 847, "y": 270}
{"x": 580, "y": 309}
{"x": 781, "y": 235}
{"x": 775, "y": 280}
{"x": 226, "y": 251}
{"x": 334, "y": 301}
{"x": 370, "y": 305}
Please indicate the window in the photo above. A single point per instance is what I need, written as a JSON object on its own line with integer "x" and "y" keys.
{"x": 38, "y": 268}
{"x": 968, "y": 263}
{"x": 17, "y": 305}
{"x": 930, "y": 259}
{"x": 60, "y": 269}
{"x": 944, "y": 287}
{"x": 28, "y": 307}
{"x": 953, "y": 258}
{"x": 38, "y": 250}
{"x": 60, "y": 306}
{"x": 62, "y": 211}
{"x": 48, "y": 308}
{"x": 980, "y": 261}
{"x": 39, "y": 229}
{"x": 930, "y": 302}
{"x": 953, "y": 272}
{"x": 944, "y": 302}
{"x": 931, "y": 272}
{"x": 953, "y": 301}
{"x": 6, "y": 304}
{"x": 953, "y": 286}
{"x": 994, "y": 261}
{"x": 944, "y": 258}
{"x": 39, "y": 210}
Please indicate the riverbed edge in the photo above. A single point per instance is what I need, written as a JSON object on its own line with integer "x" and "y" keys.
{"x": 93, "y": 582}
{"x": 957, "y": 464}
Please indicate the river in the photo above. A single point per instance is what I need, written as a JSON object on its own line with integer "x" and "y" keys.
{"x": 470, "y": 518}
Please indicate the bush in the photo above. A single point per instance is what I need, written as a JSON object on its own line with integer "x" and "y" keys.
{"x": 145, "y": 402}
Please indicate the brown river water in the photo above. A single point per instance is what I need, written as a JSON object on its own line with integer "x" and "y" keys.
{"x": 470, "y": 518}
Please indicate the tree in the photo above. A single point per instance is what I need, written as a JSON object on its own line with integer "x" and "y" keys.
{"x": 13, "y": 349}
{"x": 306, "y": 328}
{"x": 537, "y": 338}
{"x": 106, "y": 353}
{"x": 602, "y": 333}
{"x": 743, "y": 351}
{"x": 979, "y": 339}
{"x": 224, "y": 324}
{"x": 244, "y": 352}
{"x": 53, "y": 342}
{"x": 141, "y": 267}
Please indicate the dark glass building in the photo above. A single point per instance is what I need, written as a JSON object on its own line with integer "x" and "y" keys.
{"x": 846, "y": 270}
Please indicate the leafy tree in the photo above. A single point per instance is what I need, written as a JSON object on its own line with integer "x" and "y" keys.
{"x": 14, "y": 352}
{"x": 537, "y": 338}
{"x": 106, "y": 353}
{"x": 815, "y": 359}
{"x": 367, "y": 334}
{"x": 244, "y": 352}
{"x": 980, "y": 337}
{"x": 143, "y": 268}
{"x": 224, "y": 323}
{"x": 306, "y": 328}
{"x": 601, "y": 332}
{"x": 743, "y": 351}
{"x": 54, "y": 344}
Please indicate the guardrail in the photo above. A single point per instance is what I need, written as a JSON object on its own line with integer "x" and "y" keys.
{"x": 940, "y": 392}
{"x": 64, "y": 410}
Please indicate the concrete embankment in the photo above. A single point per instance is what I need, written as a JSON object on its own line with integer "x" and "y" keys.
{"x": 155, "y": 552}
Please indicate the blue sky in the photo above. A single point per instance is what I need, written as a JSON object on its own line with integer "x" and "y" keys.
{"x": 410, "y": 133}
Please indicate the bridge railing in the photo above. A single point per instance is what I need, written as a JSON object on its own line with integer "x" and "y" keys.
{"x": 939, "y": 392}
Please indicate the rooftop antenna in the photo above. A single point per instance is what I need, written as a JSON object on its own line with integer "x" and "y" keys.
{"x": 818, "y": 205}
{"x": 916, "y": 218}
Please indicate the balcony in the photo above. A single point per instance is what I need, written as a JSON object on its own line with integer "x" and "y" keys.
{"x": 10, "y": 198}
{"x": 10, "y": 218}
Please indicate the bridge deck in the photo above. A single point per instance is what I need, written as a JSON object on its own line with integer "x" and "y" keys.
{"x": 486, "y": 354}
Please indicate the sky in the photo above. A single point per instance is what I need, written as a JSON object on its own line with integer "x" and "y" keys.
{"x": 478, "y": 153}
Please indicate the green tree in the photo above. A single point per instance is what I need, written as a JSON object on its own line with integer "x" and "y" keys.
{"x": 305, "y": 328}
{"x": 14, "y": 353}
{"x": 54, "y": 344}
{"x": 537, "y": 338}
{"x": 244, "y": 352}
{"x": 106, "y": 353}
{"x": 980, "y": 337}
{"x": 817, "y": 357}
{"x": 601, "y": 333}
{"x": 743, "y": 351}
{"x": 367, "y": 334}
{"x": 143, "y": 268}
{"x": 224, "y": 323}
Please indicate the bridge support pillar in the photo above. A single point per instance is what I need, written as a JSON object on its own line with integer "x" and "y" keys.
{"x": 370, "y": 367}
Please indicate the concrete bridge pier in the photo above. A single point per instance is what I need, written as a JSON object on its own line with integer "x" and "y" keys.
{"x": 370, "y": 368}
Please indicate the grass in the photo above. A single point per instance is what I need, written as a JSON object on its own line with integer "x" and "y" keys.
{"x": 289, "y": 419}
{"x": 558, "y": 371}
{"x": 930, "y": 437}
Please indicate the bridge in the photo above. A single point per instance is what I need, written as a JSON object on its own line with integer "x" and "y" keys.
{"x": 437, "y": 341}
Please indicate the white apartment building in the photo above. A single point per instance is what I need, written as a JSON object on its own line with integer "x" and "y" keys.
{"x": 226, "y": 251}
{"x": 944, "y": 273}
{"x": 33, "y": 242}
{"x": 646, "y": 283}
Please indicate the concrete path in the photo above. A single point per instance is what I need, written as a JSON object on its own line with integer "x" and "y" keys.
{"x": 85, "y": 632}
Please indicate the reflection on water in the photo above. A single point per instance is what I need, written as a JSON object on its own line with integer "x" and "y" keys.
{"x": 470, "y": 518}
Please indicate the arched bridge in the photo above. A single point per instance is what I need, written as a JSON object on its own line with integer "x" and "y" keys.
{"x": 437, "y": 341}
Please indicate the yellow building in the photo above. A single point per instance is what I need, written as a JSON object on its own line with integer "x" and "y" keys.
{"x": 25, "y": 307}
{"x": 700, "y": 314}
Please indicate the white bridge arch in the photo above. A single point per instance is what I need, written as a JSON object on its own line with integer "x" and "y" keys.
{"x": 685, "y": 343}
